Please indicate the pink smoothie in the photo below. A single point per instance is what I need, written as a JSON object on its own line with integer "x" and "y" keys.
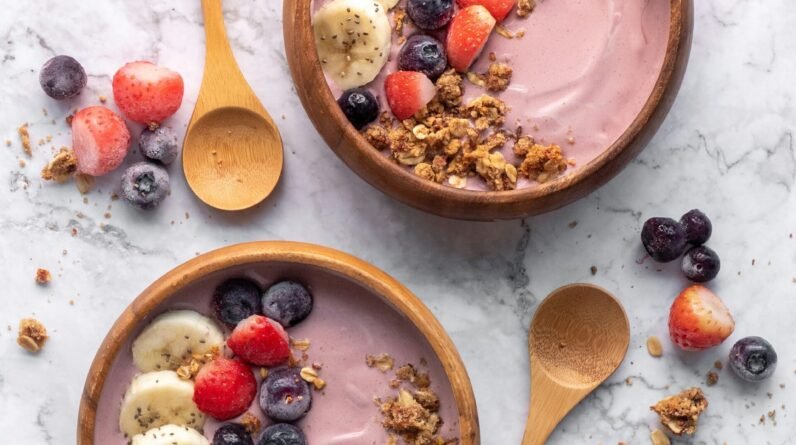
{"x": 347, "y": 323}
{"x": 582, "y": 72}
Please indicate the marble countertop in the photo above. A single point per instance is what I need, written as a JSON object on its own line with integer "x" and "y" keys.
{"x": 727, "y": 148}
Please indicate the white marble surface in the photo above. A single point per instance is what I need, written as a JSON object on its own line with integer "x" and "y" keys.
{"x": 727, "y": 148}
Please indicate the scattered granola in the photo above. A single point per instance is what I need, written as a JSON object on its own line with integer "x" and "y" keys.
{"x": 541, "y": 162}
{"x": 251, "y": 423}
{"x": 24, "y": 136}
{"x": 85, "y": 183}
{"x": 62, "y": 167}
{"x": 310, "y": 375}
{"x": 32, "y": 335}
{"x": 658, "y": 437}
{"x": 191, "y": 367}
{"x": 399, "y": 19}
{"x": 654, "y": 346}
{"x": 302, "y": 344}
{"x": 712, "y": 378}
{"x": 498, "y": 77}
{"x": 383, "y": 362}
{"x": 525, "y": 7}
{"x": 43, "y": 276}
{"x": 680, "y": 413}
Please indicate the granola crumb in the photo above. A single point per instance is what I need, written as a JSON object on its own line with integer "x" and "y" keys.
{"x": 43, "y": 276}
{"x": 24, "y": 136}
{"x": 103, "y": 99}
{"x": 658, "y": 437}
{"x": 399, "y": 19}
{"x": 302, "y": 344}
{"x": 541, "y": 162}
{"x": 680, "y": 413}
{"x": 718, "y": 364}
{"x": 593, "y": 270}
{"x": 383, "y": 362}
{"x": 654, "y": 347}
{"x": 61, "y": 167}
{"x": 22, "y": 163}
{"x": 251, "y": 423}
{"x": 525, "y": 7}
{"x": 498, "y": 77}
{"x": 712, "y": 378}
{"x": 504, "y": 32}
{"x": 8, "y": 142}
{"x": 32, "y": 335}
{"x": 84, "y": 183}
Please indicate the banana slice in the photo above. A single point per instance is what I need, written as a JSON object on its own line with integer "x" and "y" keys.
{"x": 170, "y": 435}
{"x": 353, "y": 39}
{"x": 170, "y": 340}
{"x": 158, "y": 398}
{"x": 389, "y": 4}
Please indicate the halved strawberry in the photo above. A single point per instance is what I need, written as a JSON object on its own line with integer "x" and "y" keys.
{"x": 499, "y": 9}
{"x": 224, "y": 388}
{"x": 699, "y": 319}
{"x": 468, "y": 32}
{"x": 147, "y": 93}
{"x": 408, "y": 92}
{"x": 260, "y": 341}
{"x": 100, "y": 139}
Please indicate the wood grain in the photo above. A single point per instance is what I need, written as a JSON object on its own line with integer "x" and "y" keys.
{"x": 299, "y": 254}
{"x": 403, "y": 185}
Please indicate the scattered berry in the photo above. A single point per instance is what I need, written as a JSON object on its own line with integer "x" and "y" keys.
{"x": 159, "y": 144}
{"x": 360, "y": 107}
{"x": 224, "y": 388}
{"x": 235, "y": 300}
{"x": 424, "y": 54}
{"x": 408, "y": 92}
{"x": 260, "y": 341}
{"x": 145, "y": 185}
{"x": 498, "y": 8}
{"x": 62, "y": 77}
{"x": 284, "y": 395}
{"x": 282, "y": 434}
{"x": 467, "y": 35}
{"x": 100, "y": 140}
{"x": 147, "y": 93}
{"x": 287, "y": 302}
{"x": 698, "y": 227}
{"x": 753, "y": 359}
{"x": 430, "y": 14}
{"x": 701, "y": 264}
{"x": 664, "y": 239}
{"x": 699, "y": 319}
{"x": 232, "y": 434}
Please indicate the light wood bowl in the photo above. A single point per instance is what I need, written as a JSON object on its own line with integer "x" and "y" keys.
{"x": 374, "y": 280}
{"x": 404, "y": 185}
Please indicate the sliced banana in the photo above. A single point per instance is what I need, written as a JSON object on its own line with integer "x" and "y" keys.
{"x": 170, "y": 340}
{"x": 170, "y": 435}
{"x": 389, "y": 4}
{"x": 353, "y": 39}
{"x": 158, "y": 398}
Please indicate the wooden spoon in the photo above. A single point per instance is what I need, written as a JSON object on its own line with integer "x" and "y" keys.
{"x": 578, "y": 338}
{"x": 232, "y": 155}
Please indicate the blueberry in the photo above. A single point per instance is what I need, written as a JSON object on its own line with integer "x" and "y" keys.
{"x": 62, "y": 77}
{"x": 753, "y": 359}
{"x": 145, "y": 185}
{"x": 235, "y": 300}
{"x": 430, "y": 14}
{"x": 701, "y": 264}
{"x": 287, "y": 302}
{"x": 664, "y": 239}
{"x": 159, "y": 144}
{"x": 232, "y": 434}
{"x": 698, "y": 227}
{"x": 282, "y": 434}
{"x": 424, "y": 54}
{"x": 359, "y": 106}
{"x": 284, "y": 395}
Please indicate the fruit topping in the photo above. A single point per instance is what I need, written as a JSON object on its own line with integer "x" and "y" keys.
{"x": 408, "y": 92}
{"x": 699, "y": 320}
{"x": 62, "y": 77}
{"x": 147, "y": 93}
{"x": 145, "y": 185}
{"x": 260, "y": 341}
{"x": 282, "y": 434}
{"x": 158, "y": 398}
{"x": 232, "y": 434}
{"x": 225, "y": 388}
{"x": 170, "y": 435}
{"x": 701, "y": 264}
{"x": 235, "y": 300}
{"x": 680, "y": 413}
{"x": 467, "y": 35}
{"x": 753, "y": 359}
{"x": 698, "y": 227}
{"x": 664, "y": 239}
{"x": 360, "y": 106}
{"x": 100, "y": 140}
{"x": 287, "y": 302}
{"x": 499, "y": 9}
{"x": 173, "y": 338}
{"x": 430, "y": 14}
{"x": 284, "y": 395}
{"x": 159, "y": 144}
{"x": 424, "y": 54}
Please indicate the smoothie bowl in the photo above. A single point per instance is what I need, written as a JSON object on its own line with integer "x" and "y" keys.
{"x": 487, "y": 109}
{"x": 277, "y": 343}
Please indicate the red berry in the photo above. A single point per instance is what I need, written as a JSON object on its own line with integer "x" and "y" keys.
{"x": 147, "y": 93}
{"x": 100, "y": 139}
{"x": 260, "y": 341}
{"x": 699, "y": 319}
{"x": 224, "y": 388}
{"x": 467, "y": 35}
{"x": 498, "y": 8}
{"x": 408, "y": 92}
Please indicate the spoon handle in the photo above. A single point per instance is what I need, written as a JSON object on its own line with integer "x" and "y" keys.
{"x": 550, "y": 403}
{"x": 218, "y": 52}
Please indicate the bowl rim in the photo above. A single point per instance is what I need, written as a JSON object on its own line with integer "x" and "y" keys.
{"x": 353, "y": 149}
{"x": 361, "y": 272}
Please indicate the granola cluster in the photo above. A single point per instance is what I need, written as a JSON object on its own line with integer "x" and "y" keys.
{"x": 680, "y": 413}
{"x": 32, "y": 335}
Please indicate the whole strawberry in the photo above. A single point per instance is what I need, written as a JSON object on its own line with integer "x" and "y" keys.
{"x": 147, "y": 93}
{"x": 260, "y": 341}
{"x": 699, "y": 320}
{"x": 224, "y": 388}
{"x": 100, "y": 139}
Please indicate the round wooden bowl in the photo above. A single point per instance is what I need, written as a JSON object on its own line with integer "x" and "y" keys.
{"x": 404, "y": 185}
{"x": 292, "y": 254}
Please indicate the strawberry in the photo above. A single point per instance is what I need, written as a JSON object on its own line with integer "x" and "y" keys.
{"x": 408, "y": 92}
{"x": 499, "y": 9}
{"x": 147, "y": 93}
{"x": 699, "y": 319}
{"x": 100, "y": 139}
{"x": 468, "y": 32}
{"x": 260, "y": 341}
{"x": 224, "y": 388}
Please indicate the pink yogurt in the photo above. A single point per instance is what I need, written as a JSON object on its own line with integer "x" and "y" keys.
{"x": 347, "y": 323}
{"x": 582, "y": 72}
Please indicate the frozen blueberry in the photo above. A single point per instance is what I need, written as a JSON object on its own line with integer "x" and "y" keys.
{"x": 701, "y": 264}
{"x": 287, "y": 302}
{"x": 282, "y": 434}
{"x": 359, "y": 106}
{"x": 284, "y": 395}
{"x": 753, "y": 359}
{"x": 430, "y": 14}
{"x": 145, "y": 185}
{"x": 698, "y": 227}
{"x": 235, "y": 300}
{"x": 424, "y": 54}
{"x": 159, "y": 144}
{"x": 62, "y": 77}
{"x": 232, "y": 434}
{"x": 664, "y": 239}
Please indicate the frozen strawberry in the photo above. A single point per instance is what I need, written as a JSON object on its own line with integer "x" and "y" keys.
{"x": 408, "y": 92}
{"x": 224, "y": 388}
{"x": 499, "y": 9}
{"x": 467, "y": 35}
{"x": 260, "y": 341}
{"x": 147, "y": 93}
{"x": 699, "y": 319}
{"x": 100, "y": 139}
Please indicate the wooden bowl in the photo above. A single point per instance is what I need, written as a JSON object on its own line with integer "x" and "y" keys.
{"x": 286, "y": 255}
{"x": 407, "y": 187}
